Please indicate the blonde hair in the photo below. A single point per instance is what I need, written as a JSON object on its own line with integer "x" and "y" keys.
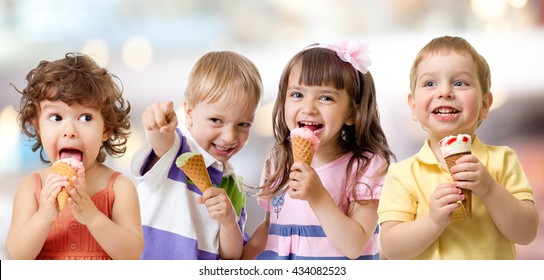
{"x": 458, "y": 45}
{"x": 218, "y": 73}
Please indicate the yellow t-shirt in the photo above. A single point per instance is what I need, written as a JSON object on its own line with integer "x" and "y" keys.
{"x": 409, "y": 184}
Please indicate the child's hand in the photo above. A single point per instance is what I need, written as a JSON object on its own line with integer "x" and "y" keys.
{"x": 161, "y": 117}
{"x": 79, "y": 202}
{"x": 160, "y": 122}
{"x": 304, "y": 183}
{"x": 469, "y": 173}
{"x": 218, "y": 204}
{"x": 443, "y": 202}
{"x": 48, "y": 197}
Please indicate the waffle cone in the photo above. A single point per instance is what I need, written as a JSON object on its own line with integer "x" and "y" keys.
{"x": 62, "y": 198}
{"x": 67, "y": 171}
{"x": 467, "y": 202}
{"x": 303, "y": 149}
{"x": 195, "y": 169}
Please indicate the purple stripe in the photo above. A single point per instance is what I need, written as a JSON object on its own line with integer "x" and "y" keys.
{"x": 271, "y": 255}
{"x": 164, "y": 245}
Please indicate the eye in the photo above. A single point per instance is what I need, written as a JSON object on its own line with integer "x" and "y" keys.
{"x": 429, "y": 84}
{"x": 86, "y": 118}
{"x": 296, "y": 94}
{"x": 55, "y": 118}
{"x": 459, "y": 84}
{"x": 216, "y": 120}
{"x": 244, "y": 125}
{"x": 326, "y": 98}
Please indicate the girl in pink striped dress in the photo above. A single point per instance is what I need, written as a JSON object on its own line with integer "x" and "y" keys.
{"x": 326, "y": 209}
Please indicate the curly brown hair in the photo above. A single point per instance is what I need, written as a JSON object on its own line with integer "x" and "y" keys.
{"x": 76, "y": 79}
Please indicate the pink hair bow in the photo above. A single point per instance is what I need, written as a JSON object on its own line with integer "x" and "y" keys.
{"x": 354, "y": 52}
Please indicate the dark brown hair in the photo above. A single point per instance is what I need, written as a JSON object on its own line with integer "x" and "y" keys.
{"x": 321, "y": 66}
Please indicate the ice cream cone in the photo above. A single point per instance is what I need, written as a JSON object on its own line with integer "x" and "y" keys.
{"x": 194, "y": 167}
{"x": 454, "y": 147}
{"x": 62, "y": 198}
{"x": 64, "y": 169}
{"x": 467, "y": 202}
{"x": 304, "y": 143}
{"x": 303, "y": 149}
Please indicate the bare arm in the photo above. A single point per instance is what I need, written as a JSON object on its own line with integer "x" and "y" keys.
{"x": 121, "y": 237}
{"x": 220, "y": 209}
{"x": 31, "y": 225}
{"x": 349, "y": 233}
{"x": 257, "y": 241}
{"x": 231, "y": 241}
{"x": 517, "y": 220}
{"x": 160, "y": 122}
{"x": 407, "y": 240}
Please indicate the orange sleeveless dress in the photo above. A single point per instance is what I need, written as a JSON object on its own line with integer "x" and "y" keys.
{"x": 70, "y": 240}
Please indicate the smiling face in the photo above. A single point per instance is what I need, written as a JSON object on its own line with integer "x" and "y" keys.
{"x": 71, "y": 131}
{"x": 221, "y": 128}
{"x": 447, "y": 98}
{"x": 323, "y": 109}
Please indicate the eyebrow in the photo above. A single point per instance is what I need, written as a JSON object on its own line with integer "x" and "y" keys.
{"x": 327, "y": 90}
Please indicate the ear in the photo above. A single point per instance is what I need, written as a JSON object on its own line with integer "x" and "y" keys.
{"x": 487, "y": 101}
{"x": 36, "y": 126}
{"x": 412, "y": 104}
{"x": 188, "y": 113}
{"x": 106, "y": 134}
{"x": 351, "y": 119}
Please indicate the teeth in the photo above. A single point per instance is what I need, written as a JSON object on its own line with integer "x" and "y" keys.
{"x": 222, "y": 148}
{"x": 444, "y": 111}
{"x": 301, "y": 124}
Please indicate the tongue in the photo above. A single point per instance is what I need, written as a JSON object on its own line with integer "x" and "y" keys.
{"x": 69, "y": 153}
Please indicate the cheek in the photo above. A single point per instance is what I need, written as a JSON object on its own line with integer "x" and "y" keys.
{"x": 243, "y": 137}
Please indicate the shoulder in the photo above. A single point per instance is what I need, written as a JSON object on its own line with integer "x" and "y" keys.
{"x": 27, "y": 190}
{"x": 122, "y": 182}
{"x": 405, "y": 163}
{"x": 118, "y": 180}
{"x": 28, "y": 183}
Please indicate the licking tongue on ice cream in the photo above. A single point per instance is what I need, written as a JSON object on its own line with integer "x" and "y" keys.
{"x": 71, "y": 153}
{"x": 67, "y": 167}
{"x": 453, "y": 147}
{"x": 304, "y": 143}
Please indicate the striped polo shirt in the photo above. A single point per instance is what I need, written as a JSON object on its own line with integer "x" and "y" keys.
{"x": 174, "y": 225}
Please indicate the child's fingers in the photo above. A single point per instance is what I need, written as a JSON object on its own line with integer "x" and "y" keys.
{"x": 199, "y": 200}
{"x": 167, "y": 107}
{"x": 170, "y": 126}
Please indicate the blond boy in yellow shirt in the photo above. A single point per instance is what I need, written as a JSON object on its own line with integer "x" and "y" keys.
{"x": 450, "y": 95}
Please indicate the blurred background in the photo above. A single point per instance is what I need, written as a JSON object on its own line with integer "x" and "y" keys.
{"x": 152, "y": 45}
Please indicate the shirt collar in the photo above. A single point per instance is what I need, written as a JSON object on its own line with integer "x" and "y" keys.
{"x": 227, "y": 169}
{"x": 426, "y": 155}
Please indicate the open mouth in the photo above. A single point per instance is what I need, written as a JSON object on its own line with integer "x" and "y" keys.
{"x": 223, "y": 149}
{"x": 446, "y": 111}
{"x": 310, "y": 125}
{"x": 71, "y": 153}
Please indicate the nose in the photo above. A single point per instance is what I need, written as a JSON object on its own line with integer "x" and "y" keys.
{"x": 445, "y": 91}
{"x": 308, "y": 107}
{"x": 228, "y": 135}
{"x": 69, "y": 130}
